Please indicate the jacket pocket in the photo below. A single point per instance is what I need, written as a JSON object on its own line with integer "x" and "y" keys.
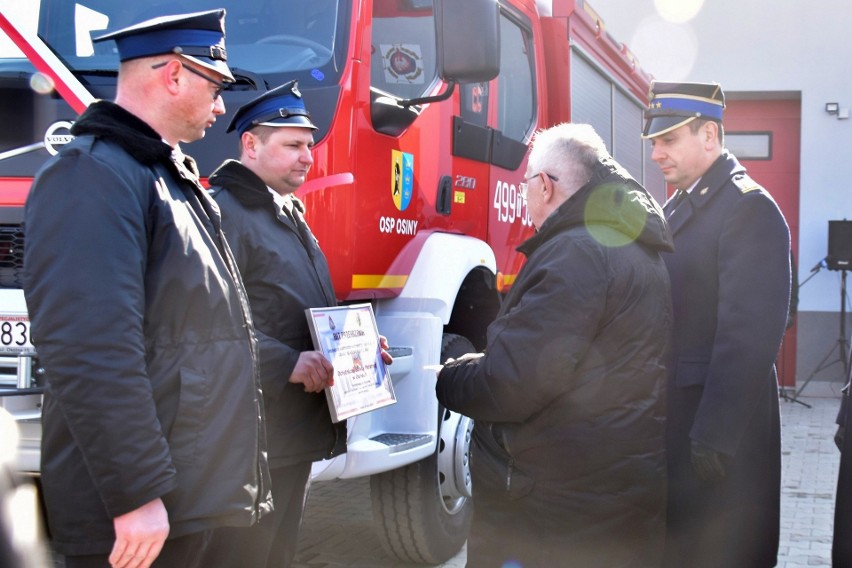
{"x": 494, "y": 470}
{"x": 691, "y": 372}
{"x": 186, "y": 433}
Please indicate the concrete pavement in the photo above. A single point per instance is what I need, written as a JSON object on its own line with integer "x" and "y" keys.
{"x": 338, "y": 532}
{"x": 809, "y": 464}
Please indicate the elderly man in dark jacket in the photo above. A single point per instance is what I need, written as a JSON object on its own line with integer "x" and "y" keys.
{"x": 152, "y": 415}
{"x": 568, "y": 455}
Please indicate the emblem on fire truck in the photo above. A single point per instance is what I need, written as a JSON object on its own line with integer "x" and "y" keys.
{"x": 57, "y": 135}
{"x": 402, "y": 178}
{"x": 403, "y": 63}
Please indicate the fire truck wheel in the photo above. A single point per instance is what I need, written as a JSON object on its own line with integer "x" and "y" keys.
{"x": 423, "y": 511}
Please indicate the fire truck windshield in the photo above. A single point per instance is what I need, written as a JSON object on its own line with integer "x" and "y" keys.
{"x": 265, "y": 37}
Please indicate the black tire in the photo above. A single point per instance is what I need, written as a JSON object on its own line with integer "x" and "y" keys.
{"x": 418, "y": 519}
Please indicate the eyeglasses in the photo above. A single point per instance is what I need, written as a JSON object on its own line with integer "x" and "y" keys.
{"x": 523, "y": 186}
{"x": 220, "y": 86}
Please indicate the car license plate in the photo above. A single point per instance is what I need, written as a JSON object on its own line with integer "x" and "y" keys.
{"x": 15, "y": 334}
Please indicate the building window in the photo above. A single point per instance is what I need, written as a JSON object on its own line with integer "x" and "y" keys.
{"x": 749, "y": 145}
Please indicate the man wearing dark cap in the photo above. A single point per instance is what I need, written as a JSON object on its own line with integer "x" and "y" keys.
{"x": 152, "y": 415}
{"x": 285, "y": 273}
{"x": 730, "y": 277}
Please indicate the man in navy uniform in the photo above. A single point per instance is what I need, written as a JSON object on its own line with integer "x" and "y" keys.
{"x": 152, "y": 415}
{"x": 730, "y": 278}
{"x": 285, "y": 273}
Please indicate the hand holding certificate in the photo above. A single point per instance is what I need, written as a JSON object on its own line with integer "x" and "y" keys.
{"x": 348, "y": 337}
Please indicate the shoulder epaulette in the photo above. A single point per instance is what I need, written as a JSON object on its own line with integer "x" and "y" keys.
{"x": 744, "y": 183}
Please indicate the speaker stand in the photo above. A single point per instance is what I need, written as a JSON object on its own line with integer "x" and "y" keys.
{"x": 842, "y": 347}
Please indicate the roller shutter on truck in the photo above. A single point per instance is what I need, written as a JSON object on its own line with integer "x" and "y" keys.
{"x": 617, "y": 116}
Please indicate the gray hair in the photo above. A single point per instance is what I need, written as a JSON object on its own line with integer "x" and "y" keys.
{"x": 569, "y": 152}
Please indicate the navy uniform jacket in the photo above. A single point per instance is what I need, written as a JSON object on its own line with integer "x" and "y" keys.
{"x": 283, "y": 278}
{"x": 143, "y": 328}
{"x": 730, "y": 278}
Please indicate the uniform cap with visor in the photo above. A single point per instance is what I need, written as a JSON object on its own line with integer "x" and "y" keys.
{"x": 281, "y": 106}
{"x": 199, "y": 37}
{"x": 673, "y": 105}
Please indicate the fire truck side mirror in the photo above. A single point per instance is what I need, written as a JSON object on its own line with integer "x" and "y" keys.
{"x": 468, "y": 40}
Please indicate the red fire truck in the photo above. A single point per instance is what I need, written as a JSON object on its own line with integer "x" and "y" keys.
{"x": 425, "y": 110}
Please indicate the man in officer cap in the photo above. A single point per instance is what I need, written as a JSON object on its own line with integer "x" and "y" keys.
{"x": 194, "y": 43}
{"x": 730, "y": 277}
{"x": 285, "y": 273}
{"x": 152, "y": 416}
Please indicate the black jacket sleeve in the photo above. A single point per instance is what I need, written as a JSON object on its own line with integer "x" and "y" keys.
{"x": 85, "y": 267}
{"x": 533, "y": 348}
{"x": 754, "y": 300}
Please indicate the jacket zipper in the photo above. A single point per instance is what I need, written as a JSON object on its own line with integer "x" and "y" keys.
{"x": 509, "y": 473}
{"x": 334, "y": 443}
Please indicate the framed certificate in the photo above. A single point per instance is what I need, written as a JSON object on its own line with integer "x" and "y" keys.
{"x": 349, "y": 338}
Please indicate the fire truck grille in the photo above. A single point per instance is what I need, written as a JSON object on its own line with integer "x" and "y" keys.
{"x": 11, "y": 256}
